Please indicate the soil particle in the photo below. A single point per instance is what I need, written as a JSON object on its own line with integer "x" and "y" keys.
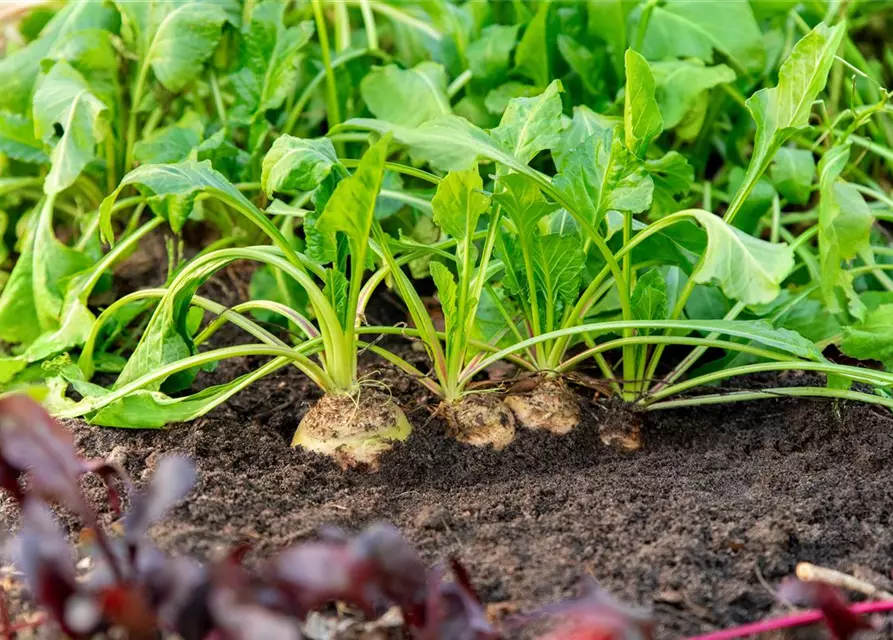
{"x": 719, "y": 503}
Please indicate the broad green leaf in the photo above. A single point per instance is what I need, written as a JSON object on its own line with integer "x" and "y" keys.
{"x": 588, "y": 65}
{"x": 649, "y": 298}
{"x": 173, "y": 37}
{"x": 297, "y": 164}
{"x": 672, "y": 176}
{"x": 608, "y": 20}
{"x": 782, "y": 110}
{"x": 585, "y": 124}
{"x": 602, "y": 175}
{"x": 641, "y": 115}
{"x": 531, "y": 125}
{"x": 351, "y": 209}
{"x": 693, "y": 29}
{"x": 845, "y": 223}
{"x": 32, "y": 299}
{"x": 533, "y": 55}
{"x": 524, "y": 204}
{"x": 745, "y": 268}
{"x": 793, "y": 173}
{"x": 171, "y": 190}
{"x": 19, "y": 70}
{"x": 871, "y": 339}
{"x": 407, "y": 97}
{"x": 489, "y": 55}
{"x": 558, "y": 266}
{"x": 92, "y": 53}
{"x": 448, "y": 143}
{"x": 459, "y": 203}
{"x": 681, "y": 83}
{"x": 498, "y": 99}
{"x": 173, "y": 143}
{"x": 268, "y": 60}
{"x": 335, "y": 290}
{"x": 17, "y": 139}
{"x": 63, "y": 98}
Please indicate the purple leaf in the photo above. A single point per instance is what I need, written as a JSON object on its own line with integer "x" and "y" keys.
{"x": 172, "y": 481}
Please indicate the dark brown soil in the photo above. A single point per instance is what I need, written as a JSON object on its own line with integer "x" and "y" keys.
{"x": 719, "y": 505}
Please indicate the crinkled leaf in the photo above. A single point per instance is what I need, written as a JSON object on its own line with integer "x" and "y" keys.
{"x": 446, "y": 293}
{"x": 680, "y": 83}
{"x": 531, "y": 125}
{"x": 745, "y": 268}
{"x": 602, "y": 175}
{"x": 672, "y": 176}
{"x": 641, "y": 113}
{"x": 558, "y": 267}
{"x": 407, "y": 97}
{"x": 297, "y": 164}
{"x": 793, "y": 173}
{"x": 64, "y": 98}
{"x": 268, "y": 60}
{"x": 693, "y": 29}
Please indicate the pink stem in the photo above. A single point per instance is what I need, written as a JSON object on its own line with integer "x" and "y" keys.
{"x": 786, "y": 622}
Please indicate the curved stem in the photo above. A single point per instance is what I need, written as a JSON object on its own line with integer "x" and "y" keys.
{"x": 369, "y": 24}
{"x": 774, "y": 393}
{"x": 396, "y": 167}
{"x": 855, "y": 373}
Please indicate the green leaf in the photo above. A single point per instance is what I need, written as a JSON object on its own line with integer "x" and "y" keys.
{"x": 793, "y": 174}
{"x": 407, "y": 97}
{"x": 173, "y": 143}
{"x": 601, "y": 175}
{"x": 745, "y": 268}
{"x": 268, "y": 60}
{"x": 17, "y": 139}
{"x": 693, "y": 29}
{"x": 19, "y": 70}
{"x": 91, "y": 53}
{"x": 459, "y": 203}
{"x": 498, "y": 99}
{"x": 641, "y": 114}
{"x": 351, "y": 209}
{"x": 871, "y": 339}
{"x": 32, "y": 299}
{"x": 171, "y": 190}
{"x": 489, "y": 55}
{"x": 845, "y": 223}
{"x": 588, "y": 65}
{"x": 448, "y": 143}
{"x": 649, "y": 298}
{"x": 174, "y": 37}
{"x": 297, "y": 164}
{"x": 672, "y": 176}
{"x": 781, "y": 111}
{"x": 446, "y": 293}
{"x": 558, "y": 266}
{"x": 681, "y": 83}
{"x": 608, "y": 20}
{"x": 531, "y": 125}
{"x": 532, "y": 57}
{"x": 63, "y": 98}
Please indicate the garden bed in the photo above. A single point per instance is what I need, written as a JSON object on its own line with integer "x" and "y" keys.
{"x": 701, "y": 524}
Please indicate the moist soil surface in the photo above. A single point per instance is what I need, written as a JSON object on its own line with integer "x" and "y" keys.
{"x": 700, "y": 524}
{"x": 721, "y": 502}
